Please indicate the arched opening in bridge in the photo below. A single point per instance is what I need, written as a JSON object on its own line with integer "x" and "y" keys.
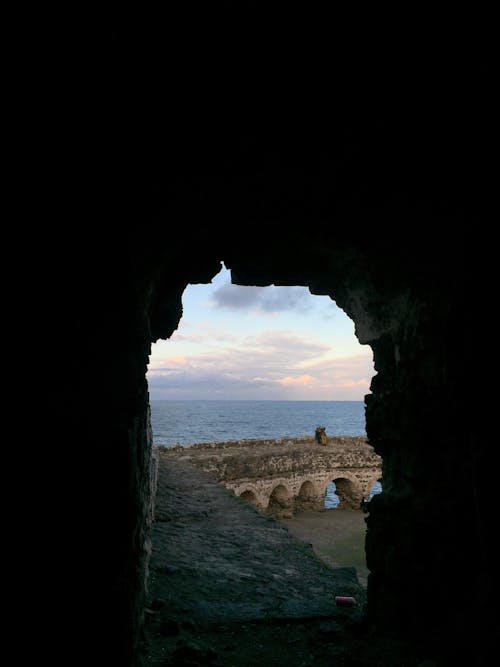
{"x": 331, "y": 498}
{"x": 279, "y": 500}
{"x": 306, "y": 498}
{"x": 342, "y": 493}
{"x": 307, "y": 491}
{"x": 249, "y": 497}
{"x": 375, "y": 489}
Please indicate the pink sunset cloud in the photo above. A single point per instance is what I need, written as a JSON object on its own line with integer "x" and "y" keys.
{"x": 301, "y": 379}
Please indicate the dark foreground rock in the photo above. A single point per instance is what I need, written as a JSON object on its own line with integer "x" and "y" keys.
{"x": 229, "y": 586}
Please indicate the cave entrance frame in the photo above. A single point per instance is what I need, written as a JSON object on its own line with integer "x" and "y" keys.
{"x": 381, "y": 215}
{"x": 281, "y": 500}
{"x": 392, "y": 317}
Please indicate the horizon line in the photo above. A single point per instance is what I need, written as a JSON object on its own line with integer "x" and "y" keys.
{"x": 270, "y": 400}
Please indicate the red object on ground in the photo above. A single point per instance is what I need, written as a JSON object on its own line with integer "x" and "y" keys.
{"x": 345, "y": 601}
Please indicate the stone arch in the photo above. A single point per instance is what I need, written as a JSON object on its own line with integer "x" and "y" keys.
{"x": 307, "y": 496}
{"x": 249, "y": 492}
{"x": 280, "y": 500}
{"x": 348, "y": 489}
{"x": 249, "y": 496}
{"x": 335, "y": 474}
{"x": 377, "y": 477}
{"x": 369, "y": 485}
{"x": 307, "y": 490}
{"x": 348, "y": 492}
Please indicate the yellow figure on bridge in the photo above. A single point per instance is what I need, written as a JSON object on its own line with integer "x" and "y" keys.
{"x": 320, "y": 435}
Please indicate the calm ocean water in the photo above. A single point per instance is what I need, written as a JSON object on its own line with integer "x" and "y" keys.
{"x": 185, "y": 422}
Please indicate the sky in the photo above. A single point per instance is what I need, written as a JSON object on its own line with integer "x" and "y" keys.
{"x": 260, "y": 343}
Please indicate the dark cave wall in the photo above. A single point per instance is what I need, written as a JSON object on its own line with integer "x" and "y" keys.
{"x": 415, "y": 421}
{"x": 122, "y": 488}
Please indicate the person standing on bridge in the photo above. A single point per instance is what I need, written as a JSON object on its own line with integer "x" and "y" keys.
{"x": 320, "y": 435}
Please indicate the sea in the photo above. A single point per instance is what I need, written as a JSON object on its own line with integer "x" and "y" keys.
{"x": 187, "y": 422}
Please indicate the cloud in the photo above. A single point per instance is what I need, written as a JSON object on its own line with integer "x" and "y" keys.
{"x": 201, "y": 332}
{"x": 283, "y": 346}
{"x": 210, "y": 356}
{"x": 301, "y": 379}
{"x": 271, "y": 299}
{"x": 279, "y": 365}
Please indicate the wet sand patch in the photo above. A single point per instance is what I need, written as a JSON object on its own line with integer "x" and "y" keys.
{"x": 337, "y": 537}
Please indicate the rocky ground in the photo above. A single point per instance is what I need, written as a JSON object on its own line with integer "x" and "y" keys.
{"x": 231, "y": 587}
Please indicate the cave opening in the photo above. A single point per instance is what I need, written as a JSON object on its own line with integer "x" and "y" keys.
{"x": 274, "y": 342}
{"x": 405, "y": 314}
{"x": 215, "y": 371}
{"x": 409, "y": 337}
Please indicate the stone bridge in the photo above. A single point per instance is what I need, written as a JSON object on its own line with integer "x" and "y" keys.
{"x": 280, "y": 476}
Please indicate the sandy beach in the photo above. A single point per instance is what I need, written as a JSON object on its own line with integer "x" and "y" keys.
{"x": 337, "y": 537}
